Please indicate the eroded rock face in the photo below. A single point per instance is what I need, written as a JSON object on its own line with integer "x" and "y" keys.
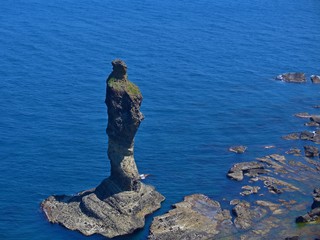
{"x": 120, "y": 203}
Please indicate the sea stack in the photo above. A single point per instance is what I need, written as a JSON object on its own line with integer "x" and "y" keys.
{"x": 118, "y": 206}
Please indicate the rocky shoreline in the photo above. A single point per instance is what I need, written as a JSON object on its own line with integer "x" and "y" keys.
{"x": 274, "y": 191}
{"x": 273, "y": 194}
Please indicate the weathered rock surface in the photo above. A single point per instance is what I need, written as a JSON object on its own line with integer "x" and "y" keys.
{"x": 237, "y": 171}
{"x": 120, "y": 203}
{"x": 246, "y": 215}
{"x": 197, "y": 217}
{"x": 306, "y": 135}
{"x": 238, "y": 149}
{"x": 315, "y": 79}
{"x": 292, "y": 77}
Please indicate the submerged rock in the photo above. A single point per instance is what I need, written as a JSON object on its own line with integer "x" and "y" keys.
{"x": 120, "y": 203}
{"x": 295, "y": 77}
{"x": 273, "y": 207}
{"x": 246, "y": 216}
{"x": 197, "y": 217}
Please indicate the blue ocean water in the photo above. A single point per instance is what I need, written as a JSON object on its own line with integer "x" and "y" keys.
{"x": 205, "y": 69}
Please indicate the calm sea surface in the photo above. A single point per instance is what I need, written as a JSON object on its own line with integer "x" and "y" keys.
{"x": 205, "y": 69}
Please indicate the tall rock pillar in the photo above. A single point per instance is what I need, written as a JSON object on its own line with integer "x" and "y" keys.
{"x": 119, "y": 204}
{"x": 123, "y": 100}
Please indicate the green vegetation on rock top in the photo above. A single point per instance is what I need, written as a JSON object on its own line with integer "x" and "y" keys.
{"x": 125, "y": 85}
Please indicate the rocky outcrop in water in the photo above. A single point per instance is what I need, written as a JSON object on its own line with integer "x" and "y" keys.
{"x": 270, "y": 193}
{"x": 239, "y": 169}
{"x": 197, "y": 217}
{"x": 315, "y": 79}
{"x": 118, "y": 206}
{"x": 292, "y": 77}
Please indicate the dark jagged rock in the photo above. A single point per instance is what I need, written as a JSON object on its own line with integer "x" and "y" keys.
{"x": 292, "y": 238}
{"x": 316, "y": 198}
{"x": 292, "y": 136}
{"x": 306, "y": 135}
{"x": 315, "y": 79}
{"x": 197, "y": 217}
{"x": 313, "y": 136}
{"x": 311, "y": 151}
{"x": 314, "y": 214}
{"x": 276, "y": 185}
{"x": 238, "y": 149}
{"x": 292, "y": 77}
{"x": 120, "y": 203}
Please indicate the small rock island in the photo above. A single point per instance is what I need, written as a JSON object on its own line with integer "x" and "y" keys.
{"x": 117, "y": 206}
